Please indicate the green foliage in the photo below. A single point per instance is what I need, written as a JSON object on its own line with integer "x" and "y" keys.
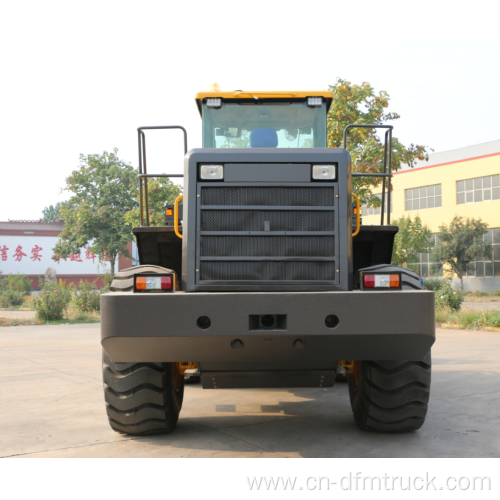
{"x": 433, "y": 284}
{"x": 83, "y": 316}
{"x": 103, "y": 190}
{"x": 496, "y": 293}
{"x": 487, "y": 318}
{"x": 460, "y": 244}
{"x": 53, "y": 301}
{"x": 16, "y": 282}
{"x": 88, "y": 297}
{"x": 13, "y": 289}
{"x": 11, "y": 298}
{"x": 448, "y": 299}
{"x": 413, "y": 238}
{"x": 161, "y": 192}
{"x": 107, "y": 279}
{"x": 471, "y": 319}
{"x": 359, "y": 104}
{"x": 52, "y": 213}
{"x": 441, "y": 316}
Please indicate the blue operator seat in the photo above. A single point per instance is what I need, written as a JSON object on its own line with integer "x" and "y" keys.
{"x": 263, "y": 138}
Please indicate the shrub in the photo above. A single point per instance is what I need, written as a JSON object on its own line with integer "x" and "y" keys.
{"x": 447, "y": 298}
{"x": 496, "y": 293}
{"x": 432, "y": 284}
{"x": 17, "y": 283}
{"x": 493, "y": 318}
{"x": 13, "y": 298}
{"x": 88, "y": 297}
{"x": 13, "y": 289}
{"x": 53, "y": 301}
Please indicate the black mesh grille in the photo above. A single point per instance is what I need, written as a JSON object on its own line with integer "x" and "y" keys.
{"x": 267, "y": 271}
{"x": 282, "y": 247}
{"x": 272, "y": 196}
{"x": 267, "y": 246}
{"x": 254, "y": 220}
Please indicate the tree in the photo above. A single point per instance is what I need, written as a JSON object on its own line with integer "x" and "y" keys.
{"x": 460, "y": 244}
{"x": 365, "y": 147}
{"x": 413, "y": 238}
{"x": 103, "y": 190}
{"x": 52, "y": 213}
{"x": 161, "y": 191}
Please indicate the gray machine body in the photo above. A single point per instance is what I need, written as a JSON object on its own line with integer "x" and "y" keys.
{"x": 373, "y": 325}
{"x": 295, "y": 206}
{"x": 268, "y": 240}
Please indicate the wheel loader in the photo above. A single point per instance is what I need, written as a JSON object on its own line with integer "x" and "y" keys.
{"x": 263, "y": 277}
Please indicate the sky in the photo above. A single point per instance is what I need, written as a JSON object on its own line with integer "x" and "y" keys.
{"x": 80, "y": 77}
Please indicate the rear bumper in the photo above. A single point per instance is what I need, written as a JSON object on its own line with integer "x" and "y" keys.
{"x": 372, "y": 326}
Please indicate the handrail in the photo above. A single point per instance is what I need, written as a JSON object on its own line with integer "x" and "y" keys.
{"x": 143, "y": 176}
{"x": 358, "y": 225}
{"x": 387, "y": 160}
{"x": 176, "y": 215}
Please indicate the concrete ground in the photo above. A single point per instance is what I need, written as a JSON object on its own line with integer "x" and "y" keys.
{"x": 18, "y": 314}
{"x": 52, "y": 406}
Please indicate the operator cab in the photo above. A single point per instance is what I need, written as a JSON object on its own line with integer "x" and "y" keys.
{"x": 264, "y": 119}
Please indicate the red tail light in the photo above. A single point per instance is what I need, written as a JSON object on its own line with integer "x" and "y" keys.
{"x": 369, "y": 281}
{"x": 166, "y": 282}
{"x": 382, "y": 281}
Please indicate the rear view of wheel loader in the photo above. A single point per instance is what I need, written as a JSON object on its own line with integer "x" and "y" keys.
{"x": 262, "y": 279}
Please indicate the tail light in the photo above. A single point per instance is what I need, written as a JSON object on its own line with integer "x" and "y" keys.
{"x": 378, "y": 281}
{"x": 155, "y": 283}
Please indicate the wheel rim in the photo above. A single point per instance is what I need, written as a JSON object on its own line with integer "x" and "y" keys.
{"x": 356, "y": 375}
{"x": 177, "y": 377}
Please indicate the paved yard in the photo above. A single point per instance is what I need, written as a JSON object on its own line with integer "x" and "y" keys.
{"x": 18, "y": 314}
{"x": 52, "y": 406}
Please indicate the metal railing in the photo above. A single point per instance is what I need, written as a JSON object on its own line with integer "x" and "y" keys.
{"x": 144, "y": 176}
{"x": 387, "y": 161}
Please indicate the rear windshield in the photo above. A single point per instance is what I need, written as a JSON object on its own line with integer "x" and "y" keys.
{"x": 271, "y": 125}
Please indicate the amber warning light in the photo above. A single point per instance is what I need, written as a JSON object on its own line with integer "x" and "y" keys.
{"x": 153, "y": 283}
{"x": 381, "y": 281}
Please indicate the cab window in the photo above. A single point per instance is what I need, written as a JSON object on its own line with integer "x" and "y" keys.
{"x": 268, "y": 124}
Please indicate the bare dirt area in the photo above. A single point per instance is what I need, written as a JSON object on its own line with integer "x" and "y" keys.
{"x": 52, "y": 406}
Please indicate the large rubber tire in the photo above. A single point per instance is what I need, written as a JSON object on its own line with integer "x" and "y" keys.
{"x": 390, "y": 396}
{"x": 142, "y": 398}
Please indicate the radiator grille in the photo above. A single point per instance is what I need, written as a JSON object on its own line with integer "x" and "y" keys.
{"x": 255, "y": 220}
{"x": 271, "y": 196}
{"x": 291, "y": 257}
{"x": 268, "y": 246}
{"x": 268, "y": 271}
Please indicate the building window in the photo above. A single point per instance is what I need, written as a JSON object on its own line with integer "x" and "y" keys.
{"x": 424, "y": 265}
{"x": 375, "y": 211}
{"x": 485, "y": 268}
{"x": 423, "y": 197}
{"x": 478, "y": 189}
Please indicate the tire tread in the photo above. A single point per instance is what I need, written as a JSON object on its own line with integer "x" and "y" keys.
{"x": 393, "y": 395}
{"x": 140, "y": 398}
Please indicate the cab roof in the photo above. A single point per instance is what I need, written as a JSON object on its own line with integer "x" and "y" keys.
{"x": 242, "y": 96}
